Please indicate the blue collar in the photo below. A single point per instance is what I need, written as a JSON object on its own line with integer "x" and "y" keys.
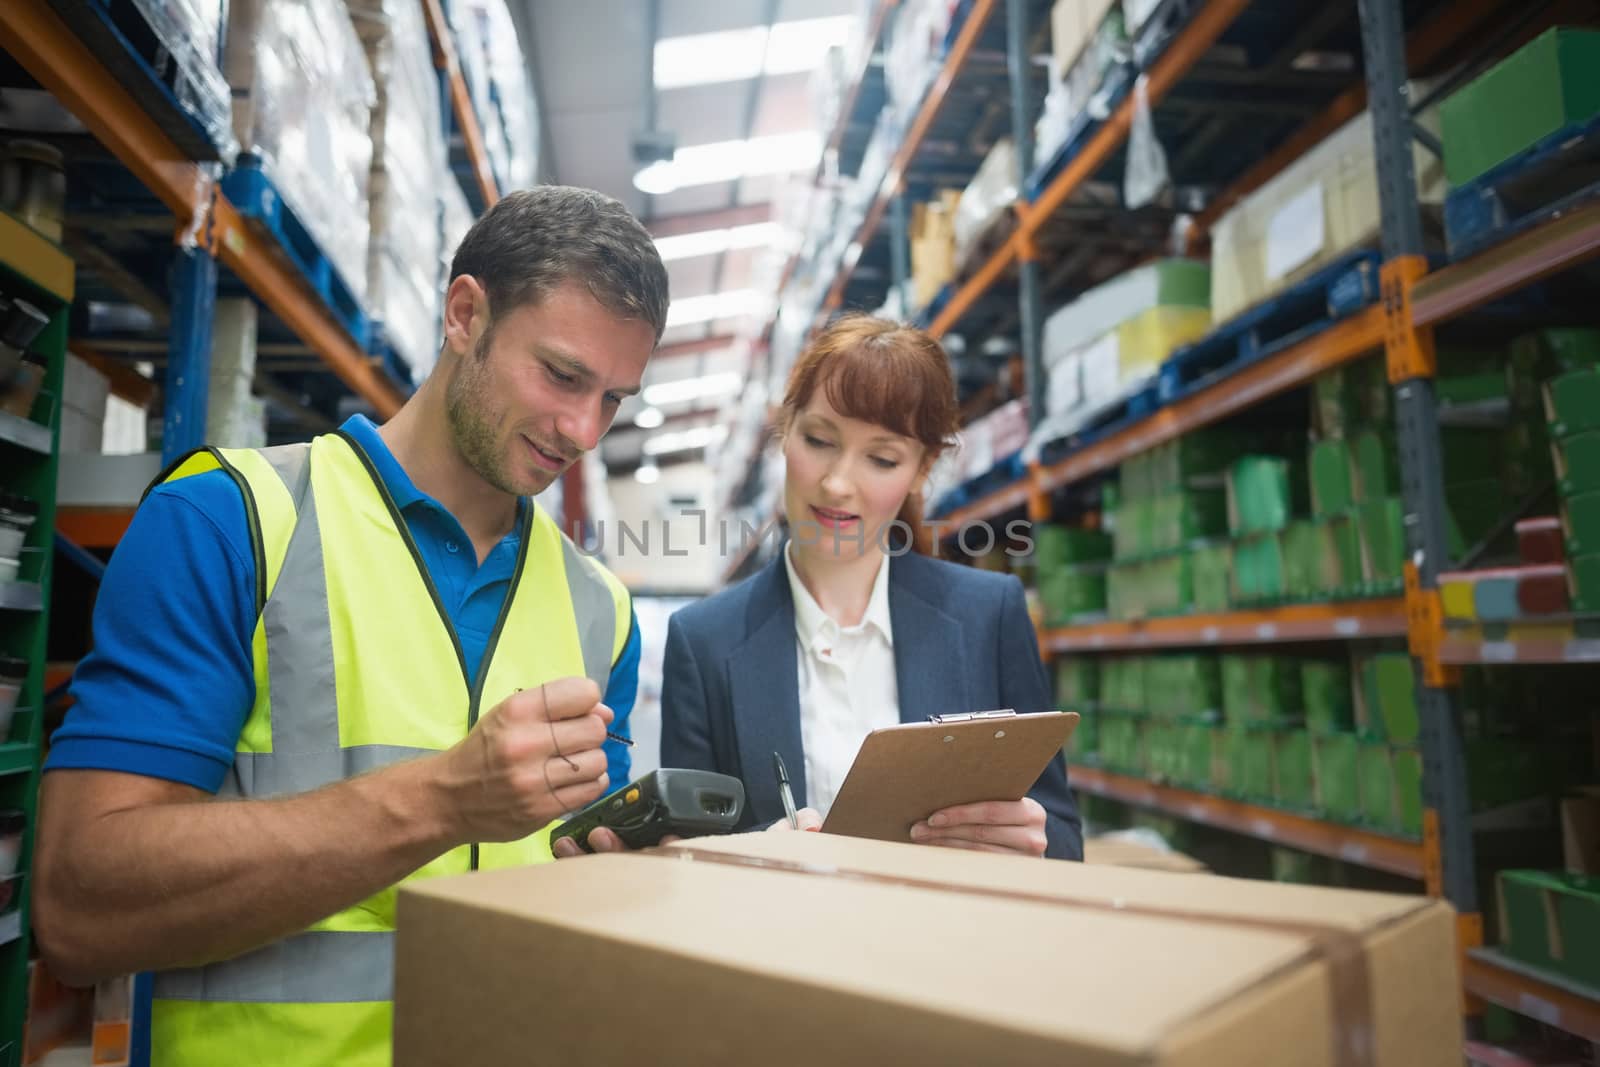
{"x": 401, "y": 488}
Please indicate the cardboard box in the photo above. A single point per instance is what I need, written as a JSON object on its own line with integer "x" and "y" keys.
{"x": 806, "y": 948}
{"x": 1580, "y": 831}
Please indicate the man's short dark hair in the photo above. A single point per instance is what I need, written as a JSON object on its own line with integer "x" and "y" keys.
{"x": 534, "y": 240}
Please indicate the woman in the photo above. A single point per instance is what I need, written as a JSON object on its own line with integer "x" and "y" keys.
{"x": 838, "y": 637}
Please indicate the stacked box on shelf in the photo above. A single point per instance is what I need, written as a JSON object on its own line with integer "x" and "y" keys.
{"x": 1326, "y": 697}
{"x": 1117, "y": 334}
{"x": 933, "y": 246}
{"x": 1183, "y": 686}
{"x": 1294, "y": 779}
{"x": 1088, "y": 39}
{"x": 1070, "y": 564}
{"x": 1077, "y": 682}
{"x": 1336, "y": 766}
{"x": 190, "y": 32}
{"x": 1211, "y": 568}
{"x": 1261, "y": 691}
{"x": 1572, "y": 408}
{"x": 1318, "y": 208}
{"x": 1551, "y": 920}
{"x": 1548, "y": 84}
{"x": 302, "y": 106}
{"x": 408, "y": 152}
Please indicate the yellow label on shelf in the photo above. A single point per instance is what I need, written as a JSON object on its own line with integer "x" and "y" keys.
{"x": 36, "y": 257}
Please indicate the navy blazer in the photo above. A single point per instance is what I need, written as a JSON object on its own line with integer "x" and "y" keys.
{"x": 962, "y": 642}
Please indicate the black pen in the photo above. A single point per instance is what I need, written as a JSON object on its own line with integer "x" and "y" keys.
{"x": 784, "y": 791}
{"x": 618, "y": 737}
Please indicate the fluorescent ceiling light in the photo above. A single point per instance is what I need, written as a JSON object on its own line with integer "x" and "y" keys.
{"x": 683, "y": 440}
{"x": 647, "y": 473}
{"x": 710, "y": 242}
{"x": 686, "y": 389}
{"x": 737, "y": 55}
{"x": 732, "y": 304}
{"x": 649, "y": 419}
{"x": 725, "y": 161}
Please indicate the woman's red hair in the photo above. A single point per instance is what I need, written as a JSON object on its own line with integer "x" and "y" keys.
{"x": 890, "y": 375}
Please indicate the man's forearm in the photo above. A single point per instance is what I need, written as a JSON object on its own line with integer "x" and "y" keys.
{"x": 162, "y": 885}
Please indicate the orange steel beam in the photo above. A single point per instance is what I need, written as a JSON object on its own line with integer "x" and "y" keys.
{"x": 1349, "y": 620}
{"x": 1361, "y": 847}
{"x": 1198, "y": 37}
{"x": 33, "y": 35}
{"x": 1355, "y": 337}
{"x": 962, "y": 300}
{"x": 875, "y": 31}
{"x": 1513, "y": 264}
{"x": 960, "y": 51}
{"x": 444, "y": 57}
{"x": 93, "y": 527}
{"x": 1555, "y": 1005}
{"x": 1427, "y": 44}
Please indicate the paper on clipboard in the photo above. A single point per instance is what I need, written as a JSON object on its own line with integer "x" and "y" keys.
{"x": 904, "y": 773}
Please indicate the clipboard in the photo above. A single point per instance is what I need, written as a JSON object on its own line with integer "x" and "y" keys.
{"x": 906, "y": 772}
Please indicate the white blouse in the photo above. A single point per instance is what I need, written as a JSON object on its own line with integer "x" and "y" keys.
{"x": 847, "y": 683}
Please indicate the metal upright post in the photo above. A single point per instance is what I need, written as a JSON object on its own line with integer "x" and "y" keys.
{"x": 899, "y": 241}
{"x": 1032, "y": 318}
{"x": 1448, "y": 848}
{"x": 194, "y": 301}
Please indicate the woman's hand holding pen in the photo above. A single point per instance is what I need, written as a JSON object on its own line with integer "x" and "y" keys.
{"x": 805, "y": 819}
{"x": 989, "y": 826}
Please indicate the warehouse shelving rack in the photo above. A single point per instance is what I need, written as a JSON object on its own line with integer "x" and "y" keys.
{"x": 1400, "y": 326}
{"x": 35, "y": 269}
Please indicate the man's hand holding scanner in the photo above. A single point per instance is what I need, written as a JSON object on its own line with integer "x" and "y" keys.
{"x": 534, "y": 757}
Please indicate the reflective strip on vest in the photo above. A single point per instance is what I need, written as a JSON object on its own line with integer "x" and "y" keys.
{"x": 596, "y": 613}
{"x": 320, "y": 967}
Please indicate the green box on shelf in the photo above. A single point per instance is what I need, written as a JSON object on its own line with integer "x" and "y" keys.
{"x": 1470, "y": 388}
{"x": 1390, "y": 698}
{"x": 1203, "y": 453}
{"x": 1383, "y": 540}
{"x": 1376, "y": 773}
{"x": 1549, "y": 83}
{"x": 1077, "y": 682}
{"x": 1538, "y": 355}
{"x": 1122, "y": 686}
{"x": 1312, "y": 563}
{"x": 1577, "y": 460}
{"x": 1344, "y": 534}
{"x": 1163, "y": 746}
{"x": 1325, "y": 691}
{"x": 1332, "y": 477}
{"x": 1171, "y": 584}
{"x": 1110, "y": 498}
{"x": 1335, "y": 403}
{"x": 1249, "y": 758}
{"x": 1584, "y": 582}
{"x": 1572, "y": 402}
{"x": 1133, "y": 534}
{"x": 1260, "y": 690}
{"x": 1260, "y": 495}
{"x": 1335, "y": 758}
{"x": 1408, "y": 790}
{"x": 1377, "y": 394}
{"x": 1259, "y": 569}
{"x": 1186, "y": 515}
{"x": 1293, "y": 777}
{"x": 1121, "y": 743}
{"x": 1084, "y": 743}
{"x": 1197, "y": 758}
{"x": 1056, "y": 546}
{"x": 1551, "y": 920}
{"x": 1211, "y": 567}
{"x": 1236, "y": 695}
{"x": 1375, "y": 456}
{"x": 1072, "y": 591}
{"x": 1580, "y": 517}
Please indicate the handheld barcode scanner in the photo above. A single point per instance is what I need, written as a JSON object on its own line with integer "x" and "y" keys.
{"x": 666, "y": 801}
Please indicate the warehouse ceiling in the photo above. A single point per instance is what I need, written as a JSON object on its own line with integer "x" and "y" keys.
{"x": 592, "y": 65}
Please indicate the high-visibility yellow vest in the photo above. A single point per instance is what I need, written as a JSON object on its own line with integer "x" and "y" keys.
{"x": 357, "y": 667}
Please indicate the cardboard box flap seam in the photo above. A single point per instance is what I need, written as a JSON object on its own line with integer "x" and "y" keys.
{"x": 1341, "y": 951}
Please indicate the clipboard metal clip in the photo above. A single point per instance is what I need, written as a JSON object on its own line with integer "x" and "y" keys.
{"x": 972, "y": 716}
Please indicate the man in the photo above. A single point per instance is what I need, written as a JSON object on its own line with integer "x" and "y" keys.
{"x": 323, "y": 669}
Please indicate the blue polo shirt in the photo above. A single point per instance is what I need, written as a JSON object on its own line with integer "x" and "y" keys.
{"x": 169, "y": 683}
